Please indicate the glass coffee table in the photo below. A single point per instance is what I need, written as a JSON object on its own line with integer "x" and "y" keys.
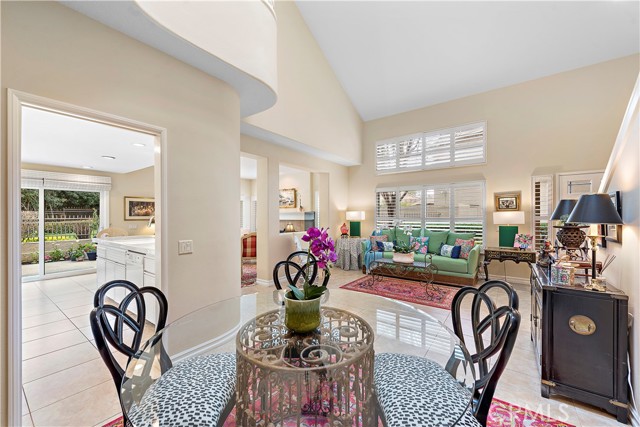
{"x": 424, "y": 272}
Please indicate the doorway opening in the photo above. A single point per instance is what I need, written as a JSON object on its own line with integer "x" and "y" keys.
{"x": 71, "y": 172}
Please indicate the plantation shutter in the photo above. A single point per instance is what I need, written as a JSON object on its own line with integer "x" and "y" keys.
{"x": 410, "y": 207}
{"x": 386, "y": 156}
{"x": 542, "y": 194}
{"x": 253, "y": 215}
{"x": 241, "y": 213}
{"x": 459, "y": 207}
{"x": 437, "y": 149}
{"x": 410, "y": 153}
{"x": 469, "y": 144}
{"x": 469, "y": 211}
{"x": 385, "y": 208}
{"x": 458, "y": 146}
{"x": 438, "y": 208}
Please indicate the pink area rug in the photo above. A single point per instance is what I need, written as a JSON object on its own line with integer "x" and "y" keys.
{"x": 249, "y": 274}
{"x": 404, "y": 290}
{"x": 501, "y": 414}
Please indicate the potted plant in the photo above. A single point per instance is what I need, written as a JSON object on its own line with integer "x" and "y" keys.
{"x": 76, "y": 253}
{"x": 403, "y": 252}
{"x": 90, "y": 250}
{"x": 302, "y": 306}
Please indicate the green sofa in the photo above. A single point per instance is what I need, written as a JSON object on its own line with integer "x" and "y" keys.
{"x": 451, "y": 271}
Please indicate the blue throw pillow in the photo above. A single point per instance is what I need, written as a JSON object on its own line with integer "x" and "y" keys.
{"x": 380, "y": 245}
{"x": 450, "y": 251}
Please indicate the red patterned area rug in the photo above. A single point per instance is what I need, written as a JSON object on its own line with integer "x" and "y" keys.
{"x": 404, "y": 290}
{"x": 249, "y": 274}
{"x": 501, "y": 414}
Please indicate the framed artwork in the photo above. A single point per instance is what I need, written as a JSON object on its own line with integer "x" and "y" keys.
{"x": 139, "y": 208}
{"x": 523, "y": 241}
{"x": 614, "y": 231}
{"x": 288, "y": 198}
{"x": 507, "y": 201}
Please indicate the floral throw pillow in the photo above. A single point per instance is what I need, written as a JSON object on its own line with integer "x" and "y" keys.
{"x": 374, "y": 239}
{"x": 465, "y": 247}
{"x": 450, "y": 251}
{"x": 388, "y": 246}
{"x": 421, "y": 244}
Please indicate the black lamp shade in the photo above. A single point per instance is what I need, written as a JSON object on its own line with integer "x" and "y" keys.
{"x": 595, "y": 209}
{"x": 565, "y": 207}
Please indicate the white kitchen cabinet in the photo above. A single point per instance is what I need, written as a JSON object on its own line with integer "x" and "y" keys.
{"x": 128, "y": 258}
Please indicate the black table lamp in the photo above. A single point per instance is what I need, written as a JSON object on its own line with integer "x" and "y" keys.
{"x": 594, "y": 209}
{"x": 564, "y": 209}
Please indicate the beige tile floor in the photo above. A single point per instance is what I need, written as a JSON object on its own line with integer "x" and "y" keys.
{"x": 66, "y": 383}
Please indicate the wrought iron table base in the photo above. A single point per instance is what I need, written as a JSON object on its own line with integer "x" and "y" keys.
{"x": 417, "y": 271}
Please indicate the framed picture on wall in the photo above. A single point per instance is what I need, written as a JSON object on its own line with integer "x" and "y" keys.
{"x": 614, "y": 231}
{"x": 288, "y": 198}
{"x": 507, "y": 201}
{"x": 139, "y": 208}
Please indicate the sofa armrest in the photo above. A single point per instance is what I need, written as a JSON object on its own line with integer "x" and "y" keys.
{"x": 473, "y": 260}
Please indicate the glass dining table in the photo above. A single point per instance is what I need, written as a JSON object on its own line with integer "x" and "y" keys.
{"x": 323, "y": 378}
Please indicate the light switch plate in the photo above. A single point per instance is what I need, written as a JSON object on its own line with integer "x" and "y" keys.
{"x": 185, "y": 247}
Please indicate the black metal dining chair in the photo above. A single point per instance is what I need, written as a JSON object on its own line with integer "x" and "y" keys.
{"x": 295, "y": 270}
{"x": 120, "y": 327}
{"x": 494, "y": 328}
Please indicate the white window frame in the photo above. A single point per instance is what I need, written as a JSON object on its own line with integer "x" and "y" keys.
{"x": 423, "y": 136}
{"x": 452, "y": 219}
{"x": 547, "y": 217}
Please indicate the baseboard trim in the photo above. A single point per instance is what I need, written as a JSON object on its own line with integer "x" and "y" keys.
{"x": 263, "y": 282}
{"x": 634, "y": 416}
{"x": 514, "y": 280}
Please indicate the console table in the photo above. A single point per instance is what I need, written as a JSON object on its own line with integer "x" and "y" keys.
{"x": 504, "y": 253}
{"x": 580, "y": 341}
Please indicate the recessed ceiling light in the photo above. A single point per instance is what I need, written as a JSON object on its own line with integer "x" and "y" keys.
{"x": 139, "y": 144}
{"x": 109, "y": 157}
{"x": 87, "y": 167}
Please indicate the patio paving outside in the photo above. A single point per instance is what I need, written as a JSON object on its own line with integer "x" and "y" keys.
{"x": 58, "y": 267}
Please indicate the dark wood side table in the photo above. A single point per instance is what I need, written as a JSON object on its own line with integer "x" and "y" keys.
{"x": 580, "y": 339}
{"x": 507, "y": 254}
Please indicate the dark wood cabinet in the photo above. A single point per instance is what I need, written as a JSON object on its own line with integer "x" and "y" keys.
{"x": 581, "y": 340}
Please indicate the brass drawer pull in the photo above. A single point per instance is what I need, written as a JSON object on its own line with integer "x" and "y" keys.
{"x": 582, "y": 325}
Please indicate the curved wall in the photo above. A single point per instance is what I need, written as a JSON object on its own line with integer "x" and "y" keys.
{"x": 234, "y": 41}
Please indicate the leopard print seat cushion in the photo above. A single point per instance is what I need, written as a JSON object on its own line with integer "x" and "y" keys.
{"x": 417, "y": 392}
{"x": 191, "y": 393}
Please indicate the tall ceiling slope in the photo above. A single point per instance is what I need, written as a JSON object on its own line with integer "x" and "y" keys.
{"x": 233, "y": 41}
{"x": 396, "y": 56}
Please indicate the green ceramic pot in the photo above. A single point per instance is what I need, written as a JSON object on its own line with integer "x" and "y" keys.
{"x": 301, "y": 316}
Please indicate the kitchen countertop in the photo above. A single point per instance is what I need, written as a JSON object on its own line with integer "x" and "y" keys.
{"x": 141, "y": 244}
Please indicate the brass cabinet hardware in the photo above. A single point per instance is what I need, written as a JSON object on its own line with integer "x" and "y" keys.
{"x": 620, "y": 404}
{"x": 582, "y": 325}
{"x": 549, "y": 383}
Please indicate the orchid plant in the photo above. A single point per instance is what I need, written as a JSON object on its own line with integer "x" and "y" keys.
{"x": 322, "y": 247}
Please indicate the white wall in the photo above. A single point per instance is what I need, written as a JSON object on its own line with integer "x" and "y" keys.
{"x": 273, "y": 246}
{"x": 312, "y": 107}
{"x": 301, "y": 181}
{"x": 562, "y": 123}
{"x": 624, "y": 271}
{"x": 52, "y": 51}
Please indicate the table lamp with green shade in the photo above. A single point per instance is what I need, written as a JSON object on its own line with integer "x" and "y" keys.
{"x": 595, "y": 209}
{"x": 354, "y": 218}
{"x": 508, "y": 222}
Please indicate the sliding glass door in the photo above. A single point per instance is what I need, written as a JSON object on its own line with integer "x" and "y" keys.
{"x": 58, "y": 226}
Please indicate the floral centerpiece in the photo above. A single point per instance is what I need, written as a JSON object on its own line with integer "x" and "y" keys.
{"x": 403, "y": 252}
{"x": 302, "y": 306}
{"x": 322, "y": 247}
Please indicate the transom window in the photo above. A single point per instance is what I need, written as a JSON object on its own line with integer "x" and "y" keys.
{"x": 456, "y": 206}
{"x": 458, "y": 146}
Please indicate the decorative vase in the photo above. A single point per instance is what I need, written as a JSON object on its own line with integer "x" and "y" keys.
{"x": 571, "y": 236}
{"x": 403, "y": 258}
{"x": 562, "y": 274}
{"x": 301, "y": 316}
